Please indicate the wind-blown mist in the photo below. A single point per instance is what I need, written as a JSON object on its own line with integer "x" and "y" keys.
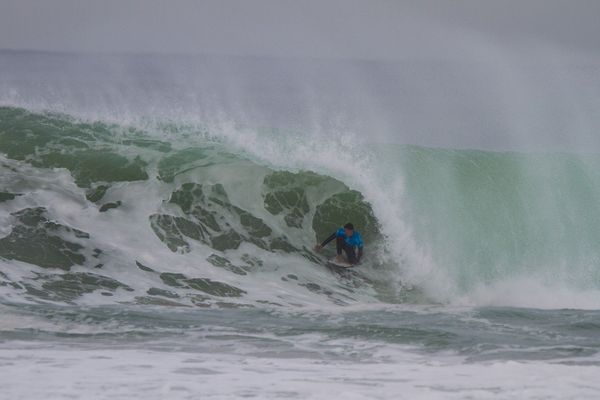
{"x": 488, "y": 99}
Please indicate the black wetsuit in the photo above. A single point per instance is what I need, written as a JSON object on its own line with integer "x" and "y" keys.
{"x": 347, "y": 244}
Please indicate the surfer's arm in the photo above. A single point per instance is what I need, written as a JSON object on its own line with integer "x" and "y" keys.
{"x": 329, "y": 239}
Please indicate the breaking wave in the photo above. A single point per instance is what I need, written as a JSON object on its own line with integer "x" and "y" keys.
{"x": 187, "y": 215}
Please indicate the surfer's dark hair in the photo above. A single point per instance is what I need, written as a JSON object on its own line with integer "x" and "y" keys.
{"x": 349, "y": 226}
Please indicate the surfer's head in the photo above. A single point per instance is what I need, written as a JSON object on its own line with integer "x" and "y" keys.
{"x": 349, "y": 229}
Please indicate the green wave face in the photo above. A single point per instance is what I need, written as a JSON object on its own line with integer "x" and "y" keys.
{"x": 491, "y": 216}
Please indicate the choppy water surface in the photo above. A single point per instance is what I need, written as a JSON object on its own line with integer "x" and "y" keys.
{"x": 362, "y": 352}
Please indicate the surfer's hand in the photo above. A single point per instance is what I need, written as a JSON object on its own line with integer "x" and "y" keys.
{"x": 318, "y": 248}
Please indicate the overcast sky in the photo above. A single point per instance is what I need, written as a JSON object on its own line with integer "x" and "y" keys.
{"x": 319, "y": 28}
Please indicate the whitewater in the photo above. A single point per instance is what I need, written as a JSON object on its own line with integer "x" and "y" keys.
{"x": 156, "y": 241}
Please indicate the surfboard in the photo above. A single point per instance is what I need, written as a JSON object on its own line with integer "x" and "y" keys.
{"x": 338, "y": 264}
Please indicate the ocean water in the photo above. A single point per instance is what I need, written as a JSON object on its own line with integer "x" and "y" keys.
{"x": 169, "y": 254}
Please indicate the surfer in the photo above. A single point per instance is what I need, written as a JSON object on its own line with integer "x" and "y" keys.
{"x": 348, "y": 240}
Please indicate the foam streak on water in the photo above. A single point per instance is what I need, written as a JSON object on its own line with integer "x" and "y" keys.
{"x": 102, "y": 374}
